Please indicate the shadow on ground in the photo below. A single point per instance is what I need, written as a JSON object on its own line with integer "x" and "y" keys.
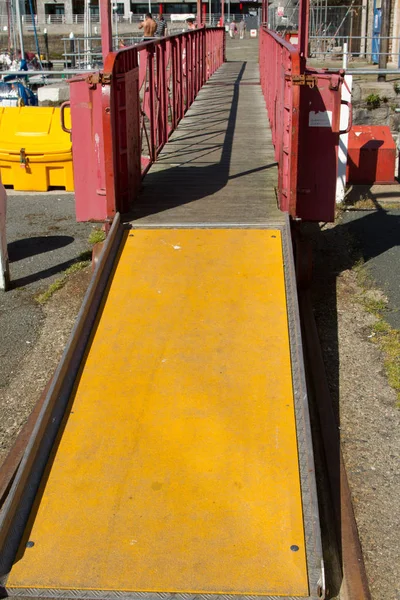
{"x": 370, "y": 238}
{"x": 27, "y": 247}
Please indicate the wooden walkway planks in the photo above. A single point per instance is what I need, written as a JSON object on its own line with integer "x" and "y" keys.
{"x": 219, "y": 165}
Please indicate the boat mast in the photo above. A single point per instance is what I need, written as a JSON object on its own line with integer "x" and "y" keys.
{"x": 9, "y": 25}
{"x": 19, "y": 24}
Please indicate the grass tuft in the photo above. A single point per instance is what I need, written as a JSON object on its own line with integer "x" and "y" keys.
{"x": 59, "y": 283}
{"x": 364, "y": 204}
{"x": 373, "y": 305}
{"x": 52, "y": 289}
{"x": 97, "y": 235}
{"x": 384, "y": 335}
{"x": 76, "y": 267}
{"x": 389, "y": 341}
{"x": 82, "y": 261}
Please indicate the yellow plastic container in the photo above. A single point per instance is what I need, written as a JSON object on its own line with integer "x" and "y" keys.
{"x": 35, "y": 153}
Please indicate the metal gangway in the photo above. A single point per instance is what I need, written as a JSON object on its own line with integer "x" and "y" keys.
{"x": 172, "y": 457}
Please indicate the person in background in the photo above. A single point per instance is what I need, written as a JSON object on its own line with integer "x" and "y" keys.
{"x": 232, "y": 29}
{"x": 242, "y": 28}
{"x": 149, "y": 27}
{"x": 22, "y": 63}
{"x": 161, "y": 30}
{"x": 190, "y": 24}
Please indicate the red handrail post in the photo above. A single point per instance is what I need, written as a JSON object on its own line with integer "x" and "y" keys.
{"x": 106, "y": 28}
{"x": 264, "y": 12}
{"x": 199, "y": 13}
{"x": 204, "y": 55}
{"x": 153, "y": 118}
{"x": 163, "y": 91}
{"x": 304, "y": 15}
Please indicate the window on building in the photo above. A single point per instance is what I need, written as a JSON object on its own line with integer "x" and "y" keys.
{"x": 54, "y": 9}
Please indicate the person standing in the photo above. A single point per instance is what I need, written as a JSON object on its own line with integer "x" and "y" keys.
{"x": 232, "y": 29}
{"x": 149, "y": 27}
{"x": 191, "y": 24}
{"x": 161, "y": 30}
{"x": 242, "y": 28}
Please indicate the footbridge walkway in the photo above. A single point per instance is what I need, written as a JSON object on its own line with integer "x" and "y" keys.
{"x": 219, "y": 165}
{"x": 172, "y": 458}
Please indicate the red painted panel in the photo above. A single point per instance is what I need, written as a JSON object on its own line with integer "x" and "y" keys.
{"x": 88, "y": 151}
{"x": 318, "y": 148}
{"x": 279, "y": 61}
{"x": 305, "y": 128}
{"x": 371, "y": 156}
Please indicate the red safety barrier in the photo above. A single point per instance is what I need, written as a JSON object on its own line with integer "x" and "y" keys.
{"x": 304, "y": 113}
{"x": 144, "y": 92}
{"x": 371, "y": 155}
{"x": 279, "y": 60}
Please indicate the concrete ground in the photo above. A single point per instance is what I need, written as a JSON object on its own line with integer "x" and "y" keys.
{"x": 43, "y": 241}
{"x": 377, "y": 235}
{"x": 364, "y": 403}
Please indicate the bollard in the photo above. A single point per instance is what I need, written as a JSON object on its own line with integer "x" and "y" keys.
{"x": 72, "y": 49}
{"x": 46, "y": 43}
{"x": 345, "y": 55}
{"x": 4, "y": 271}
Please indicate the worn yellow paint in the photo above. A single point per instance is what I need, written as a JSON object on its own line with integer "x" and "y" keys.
{"x": 178, "y": 468}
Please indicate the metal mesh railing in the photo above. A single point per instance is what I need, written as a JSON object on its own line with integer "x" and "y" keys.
{"x": 323, "y": 20}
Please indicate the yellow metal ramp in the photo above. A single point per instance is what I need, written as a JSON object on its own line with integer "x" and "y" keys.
{"x": 176, "y": 467}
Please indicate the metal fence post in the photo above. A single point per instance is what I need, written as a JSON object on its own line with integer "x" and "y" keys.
{"x": 4, "y": 272}
{"x": 72, "y": 49}
{"x": 345, "y": 55}
{"x": 384, "y": 38}
{"x": 106, "y": 28}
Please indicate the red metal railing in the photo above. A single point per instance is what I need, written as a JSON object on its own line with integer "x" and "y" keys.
{"x": 171, "y": 73}
{"x": 144, "y": 91}
{"x": 304, "y": 113}
{"x": 279, "y": 60}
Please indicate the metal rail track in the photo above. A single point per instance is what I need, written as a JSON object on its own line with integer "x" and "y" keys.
{"x": 9, "y": 467}
{"x": 354, "y": 583}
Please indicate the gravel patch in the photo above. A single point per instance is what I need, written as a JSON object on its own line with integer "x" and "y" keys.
{"x": 43, "y": 240}
{"x": 364, "y": 403}
{"x": 26, "y": 384}
{"x": 377, "y": 236}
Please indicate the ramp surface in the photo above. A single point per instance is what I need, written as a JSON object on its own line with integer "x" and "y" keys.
{"x": 219, "y": 164}
{"x": 177, "y": 468}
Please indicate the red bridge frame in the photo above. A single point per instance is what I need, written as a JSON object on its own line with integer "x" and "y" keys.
{"x": 122, "y": 117}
